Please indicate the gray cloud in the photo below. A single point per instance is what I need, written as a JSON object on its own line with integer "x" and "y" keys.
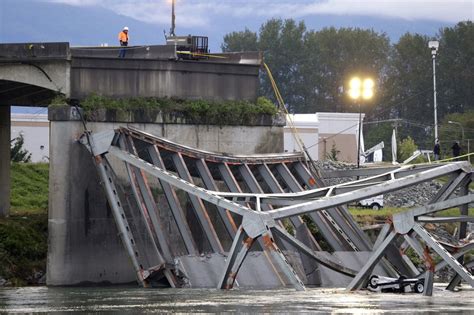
{"x": 198, "y": 13}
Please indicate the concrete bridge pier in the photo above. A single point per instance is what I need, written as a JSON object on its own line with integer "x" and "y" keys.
{"x": 5, "y": 182}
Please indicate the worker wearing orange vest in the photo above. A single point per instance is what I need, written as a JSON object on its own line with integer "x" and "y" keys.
{"x": 123, "y": 38}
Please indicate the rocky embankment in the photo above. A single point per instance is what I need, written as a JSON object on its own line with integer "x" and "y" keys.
{"x": 413, "y": 196}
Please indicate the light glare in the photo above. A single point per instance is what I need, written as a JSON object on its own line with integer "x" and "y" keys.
{"x": 368, "y": 84}
{"x": 367, "y": 94}
{"x": 355, "y": 94}
{"x": 361, "y": 88}
{"x": 355, "y": 83}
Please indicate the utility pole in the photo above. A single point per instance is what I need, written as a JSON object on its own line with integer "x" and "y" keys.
{"x": 173, "y": 19}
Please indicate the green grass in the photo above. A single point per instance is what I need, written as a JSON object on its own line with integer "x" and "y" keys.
{"x": 29, "y": 187}
{"x": 23, "y": 248}
{"x": 23, "y": 235}
{"x": 368, "y": 216}
{"x": 385, "y": 212}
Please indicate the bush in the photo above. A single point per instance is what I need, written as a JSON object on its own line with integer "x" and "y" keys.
{"x": 198, "y": 111}
{"x": 23, "y": 248}
{"x": 406, "y": 149}
{"x": 18, "y": 153}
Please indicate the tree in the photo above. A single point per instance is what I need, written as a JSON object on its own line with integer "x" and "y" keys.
{"x": 410, "y": 85}
{"x": 332, "y": 57}
{"x": 240, "y": 41}
{"x": 406, "y": 148}
{"x": 453, "y": 132}
{"x": 410, "y": 81}
{"x": 455, "y": 73}
{"x": 311, "y": 68}
{"x": 17, "y": 152}
{"x": 282, "y": 45}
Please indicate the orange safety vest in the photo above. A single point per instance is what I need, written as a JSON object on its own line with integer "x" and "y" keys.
{"x": 123, "y": 37}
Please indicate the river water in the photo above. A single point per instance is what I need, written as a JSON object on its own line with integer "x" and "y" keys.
{"x": 138, "y": 300}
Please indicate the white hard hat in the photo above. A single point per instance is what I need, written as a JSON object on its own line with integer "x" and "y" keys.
{"x": 125, "y": 28}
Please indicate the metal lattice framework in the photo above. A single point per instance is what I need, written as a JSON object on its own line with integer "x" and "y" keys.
{"x": 277, "y": 188}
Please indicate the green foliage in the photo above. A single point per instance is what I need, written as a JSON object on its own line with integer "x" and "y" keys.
{"x": 453, "y": 132}
{"x": 316, "y": 233}
{"x": 311, "y": 69}
{"x": 265, "y": 106}
{"x": 95, "y": 101}
{"x": 281, "y": 42}
{"x": 29, "y": 186}
{"x": 240, "y": 41}
{"x": 17, "y": 152}
{"x": 198, "y": 111}
{"x": 332, "y": 57}
{"x": 59, "y": 99}
{"x": 456, "y": 68}
{"x": 332, "y": 155}
{"x": 23, "y": 247}
{"x": 405, "y": 149}
{"x": 23, "y": 235}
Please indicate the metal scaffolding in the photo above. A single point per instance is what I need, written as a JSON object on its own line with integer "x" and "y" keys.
{"x": 241, "y": 208}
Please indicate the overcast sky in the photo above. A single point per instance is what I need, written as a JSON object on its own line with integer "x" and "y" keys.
{"x": 195, "y": 13}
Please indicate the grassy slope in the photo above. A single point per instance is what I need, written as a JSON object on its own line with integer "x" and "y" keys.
{"x": 368, "y": 216}
{"x": 387, "y": 211}
{"x": 23, "y": 236}
{"x": 29, "y": 188}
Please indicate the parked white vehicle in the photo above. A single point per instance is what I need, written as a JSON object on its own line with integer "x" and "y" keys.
{"x": 375, "y": 202}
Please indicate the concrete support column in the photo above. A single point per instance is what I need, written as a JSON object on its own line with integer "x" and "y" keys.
{"x": 5, "y": 183}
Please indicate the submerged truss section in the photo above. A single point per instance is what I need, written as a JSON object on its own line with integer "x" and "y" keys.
{"x": 232, "y": 216}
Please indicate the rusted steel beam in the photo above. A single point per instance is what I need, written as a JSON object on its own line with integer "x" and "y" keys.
{"x": 297, "y": 222}
{"x": 198, "y": 206}
{"x": 240, "y": 247}
{"x": 210, "y": 184}
{"x": 303, "y": 234}
{"x": 175, "y": 206}
{"x": 329, "y": 235}
{"x": 146, "y": 203}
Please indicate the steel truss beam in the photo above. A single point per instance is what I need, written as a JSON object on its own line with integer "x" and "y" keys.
{"x": 262, "y": 225}
{"x": 406, "y": 224}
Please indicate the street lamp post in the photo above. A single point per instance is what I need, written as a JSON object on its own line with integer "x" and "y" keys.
{"x": 360, "y": 89}
{"x": 433, "y": 45}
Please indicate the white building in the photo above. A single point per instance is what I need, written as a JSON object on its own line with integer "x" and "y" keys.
{"x": 324, "y": 133}
{"x": 35, "y": 131}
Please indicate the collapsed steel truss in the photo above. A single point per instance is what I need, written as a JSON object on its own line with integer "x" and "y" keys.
{"x": 277, "y": 188}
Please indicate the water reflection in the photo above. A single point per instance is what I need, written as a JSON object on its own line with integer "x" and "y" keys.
{"x": 136, "y": 300}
